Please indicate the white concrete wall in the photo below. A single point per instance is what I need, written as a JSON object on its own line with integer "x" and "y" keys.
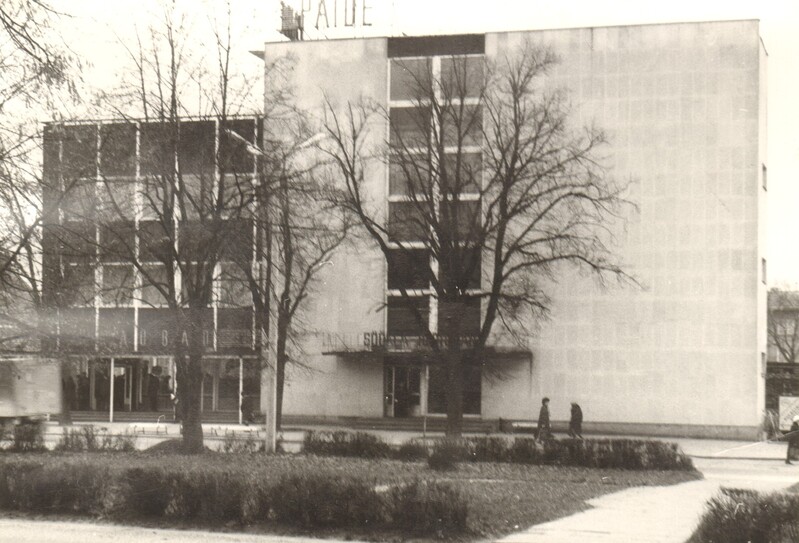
{"x": 681, "y": 104}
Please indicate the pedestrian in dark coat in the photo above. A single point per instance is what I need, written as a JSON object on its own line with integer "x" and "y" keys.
{"x": 544, "y": 429}
{"x": 793, "y": 440}
{"x": 576, "y": 422}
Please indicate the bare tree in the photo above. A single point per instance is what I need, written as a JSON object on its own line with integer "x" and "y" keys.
{"x": 783, "y": 323}
{"x": 496, "y": 192}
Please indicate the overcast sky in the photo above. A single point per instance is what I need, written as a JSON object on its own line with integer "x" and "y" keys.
{"x": 97, "y": 25}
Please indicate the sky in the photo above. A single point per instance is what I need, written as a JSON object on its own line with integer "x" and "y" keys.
{"x": 95, "y": 28}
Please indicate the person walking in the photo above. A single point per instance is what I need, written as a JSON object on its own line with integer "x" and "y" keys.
{"x": 576, "y": 422}
{"x": 793, "y": 441}
{"x": 544, "y": 431}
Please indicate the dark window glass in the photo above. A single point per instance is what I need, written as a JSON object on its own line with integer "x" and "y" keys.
{"x": 77, "y": 286}
{"x": 461, "y": 219}
{"x": 196, "y": 147}
{"x": 402, "y": 315}
{"x": 409, "y": 269}
{"x": 437, "y": 390}
{"x": 158, "y": 141}
{"x": 411, "y": 79}
{"x": 79, "y": 200}
{"x": 461, "y": 126}
{"x": 197, "y": 241}
{"x": 406, "y": 222}
{"x": 234, "y": 155}
{"x": 408, "y": 174}
{"x": 154, "y": 285}
{"x": 463, "y": 265}
{"x": 76, "y": 241}
{"x": 117, "y": 242}
{"x": 410, "y": 127}
{"x": 79, "y": 153}
{"x": 238, "y": 245}
{"x": 117, "y": 286}
{"x": 462, "y": 77}
{"x": 155, "y": 242}
{"x": 118, "y": 149}
{"x": 418, "y": 46}
{"x": 462, "y": 173}
{"x": 234, "y": 286}
{"x": 115, "y": 199}
{"x": 463, "y": 315}
{"x": 197, "y": 195}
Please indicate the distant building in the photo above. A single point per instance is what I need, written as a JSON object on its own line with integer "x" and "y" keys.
{"x": 782, "y": 378}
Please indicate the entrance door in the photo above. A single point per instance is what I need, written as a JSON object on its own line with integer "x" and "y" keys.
{"x": 402, "y": 391}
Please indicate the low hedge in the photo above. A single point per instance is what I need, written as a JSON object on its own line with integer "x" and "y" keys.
{"x": 626, "y": 454}
{"x": 80, "y": 484}
{"x": 746, "y": 516}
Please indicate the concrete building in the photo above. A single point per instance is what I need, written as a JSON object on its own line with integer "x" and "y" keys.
{"x": 684, "y": 353}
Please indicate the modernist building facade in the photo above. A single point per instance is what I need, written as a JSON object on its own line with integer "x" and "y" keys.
{"x": 112, "y": 231}
{"x": 683, "y": 352}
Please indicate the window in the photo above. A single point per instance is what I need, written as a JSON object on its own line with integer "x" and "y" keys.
{"x": 409, "y": 127}
{"x": 461, "y": 219}
{"x": 117, "y": 242}
{"x": 234, "y": 287}
{"x": 403, "y": 315}
{"x": 155, "y": 242}
{"x": 463, "y": 265}
{"x": 234, "y": 154}
{"x": 406, "y": 222}
{"x": 461, "y": 126}
{"x": 196, "y": 147}
{"x": 157, "y": 149}
{"x": 117, "y": 286}
{"x": 115, "y": 199}
{"x": 76, "y": 242}
{"x": 197, "y": 241}
{"x": 462, "y": 77}
{"x": 154, "y": 285}
{"x": 411, "y": 78}
{"x": 77, "y": 286}
{"x": 79, "y": 153}
{"x": 197, "y": 197}
{"x": 79, "y": 201}
{"x": 408, "y": 174}
{"x": 462, "y": 173}
{"x": 118, "y": 150}
{"x": 465, "y": 315}
{"x": 238, "y": 240}
{"x": 409, "y": 269}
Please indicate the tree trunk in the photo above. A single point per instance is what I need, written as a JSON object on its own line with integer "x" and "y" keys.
{"x": 281, "y": 357}
{"x": 454, "y": 369}
{"x": 189, "y": 353}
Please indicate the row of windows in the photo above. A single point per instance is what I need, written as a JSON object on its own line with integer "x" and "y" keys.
{"x": 110, "y": 149}
{"x": 404, "y": 315}
{"x": 116, "y": 288}
{"x": 116, "y": 242}
{"x": 410, "y": 269}
{"x": 412, "y": 221}
{"x": 413, "y": 128}
{"x": 460, "y": 173}
{"x": 460, "y": 77}
{"x": 110, "y": 200}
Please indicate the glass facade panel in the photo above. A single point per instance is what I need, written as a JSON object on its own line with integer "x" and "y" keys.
{"x": 411, "y": 78}
{"x": 409, "y": 269}
{"x": 79, "y": 153}
{"x": 462, "y": 173}
{"x": 404, "y": 314}
{"x": 115, "y": 199}
{"x": 462, "y": 77}
{"x": 406, "y": 222}
{"x": 234, "y": 288}
{"x": 154, "y": 286}
{"x": 410, "y": 127}
{"x": 408, "y": 174}
{"x": 117, "y": 286}
{"x": 118, "y": 150}
{"x": 461, "y": 126}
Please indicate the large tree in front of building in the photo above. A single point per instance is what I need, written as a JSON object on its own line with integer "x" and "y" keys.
{"x": 495, "y": 190}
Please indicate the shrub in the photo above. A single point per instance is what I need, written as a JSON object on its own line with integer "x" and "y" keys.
{"x": 426, "y": 507}
{"x": 208, "y": 494}
{"x": 489, "y": 449}
{"x": 319, "y": 499}
{"x": 360, "y": 444}
{"x": 146, "y": 491}
{"x": 415, "y": 449}
{"x": 735, "y": 516}
{"x": 92, "y": 439}
{"x": 248, "y": 445}
{"x": 29, "y": 436}
{"x": 447, "y": 453}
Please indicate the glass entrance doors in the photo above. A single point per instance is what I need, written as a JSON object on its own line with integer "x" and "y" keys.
{"x": 402, "y": 386}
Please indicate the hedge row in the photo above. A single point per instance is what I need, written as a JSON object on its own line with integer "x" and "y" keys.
{"x": 81, "y": 485}
{"x": 592, "y": 453}
{"x": 746, "y": 516}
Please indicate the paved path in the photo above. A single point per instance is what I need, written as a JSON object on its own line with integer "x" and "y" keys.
{"x": 666, "y": 514}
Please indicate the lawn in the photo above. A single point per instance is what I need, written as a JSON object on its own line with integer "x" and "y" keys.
{"x": 501, "y": 498}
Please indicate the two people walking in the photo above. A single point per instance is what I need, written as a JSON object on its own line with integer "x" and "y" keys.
{"x": 544, "y": 431}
